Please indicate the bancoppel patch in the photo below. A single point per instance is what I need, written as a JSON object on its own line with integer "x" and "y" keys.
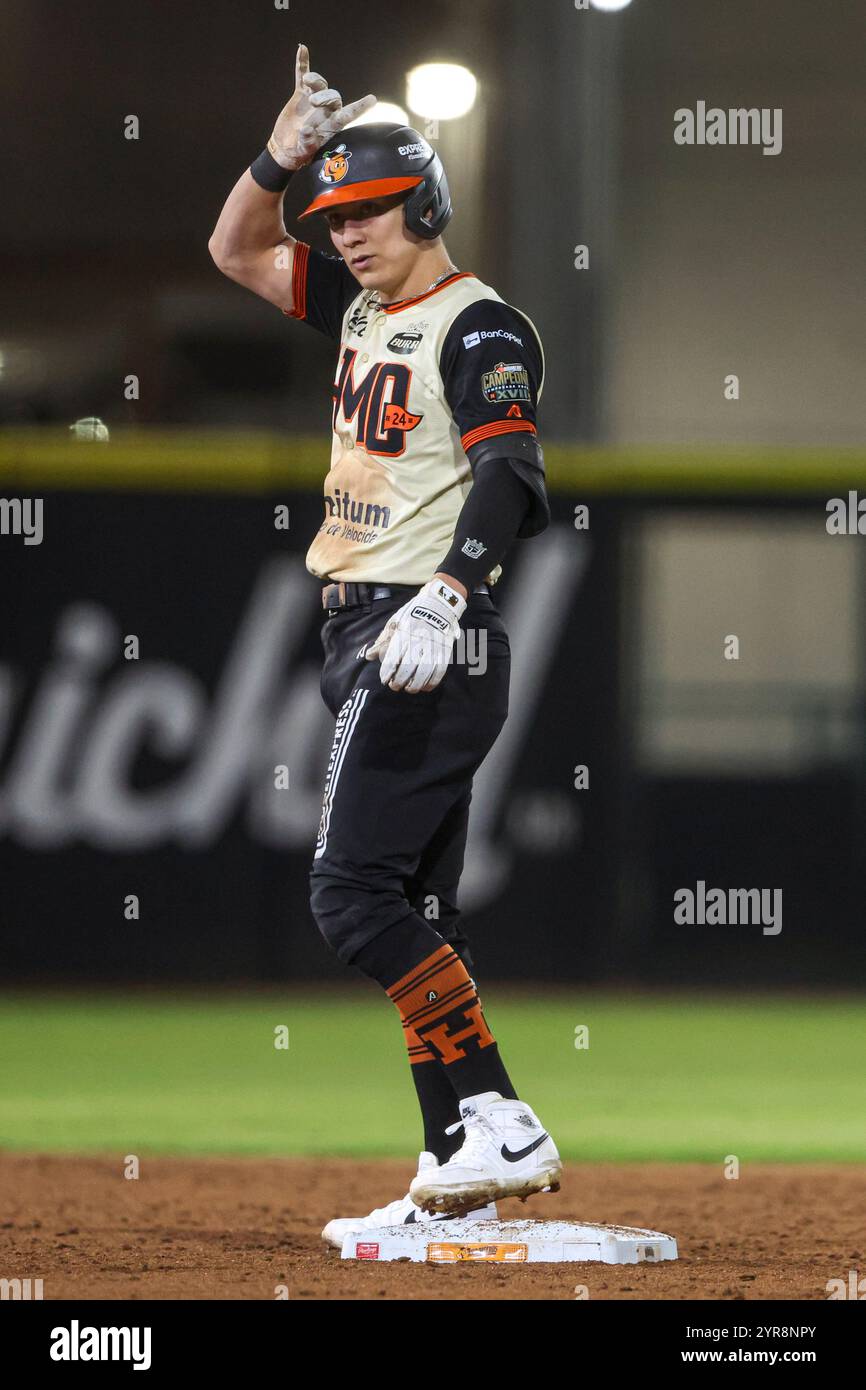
{"x": 473, "y": 339}
{"x": 508, "y": 381}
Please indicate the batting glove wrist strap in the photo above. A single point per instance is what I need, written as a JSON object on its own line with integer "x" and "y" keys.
{"x": 269, "y": 174}
{"x": 438, "y": 590}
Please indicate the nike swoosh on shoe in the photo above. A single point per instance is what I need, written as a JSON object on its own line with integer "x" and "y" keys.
{"x": 413, "y": 1217}
{"x": 515, "y": 1155}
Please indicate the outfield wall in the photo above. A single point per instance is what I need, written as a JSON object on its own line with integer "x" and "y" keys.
{"x": 154, "y": 777}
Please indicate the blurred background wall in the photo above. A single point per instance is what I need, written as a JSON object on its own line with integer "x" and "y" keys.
{"x": 707, "y": 513}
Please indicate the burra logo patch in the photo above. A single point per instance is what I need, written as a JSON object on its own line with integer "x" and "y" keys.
{"x": 405, "y": 343}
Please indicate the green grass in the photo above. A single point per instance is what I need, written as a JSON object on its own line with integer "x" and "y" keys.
{"x": 665, "y": 1078}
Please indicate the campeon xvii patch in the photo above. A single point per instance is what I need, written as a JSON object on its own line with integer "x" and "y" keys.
{"x": 508, "y": 381}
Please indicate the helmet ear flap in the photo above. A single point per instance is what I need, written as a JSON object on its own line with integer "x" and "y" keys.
{"x": 421, "y": 201}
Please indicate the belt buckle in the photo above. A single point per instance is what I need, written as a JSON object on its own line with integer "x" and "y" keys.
{"x": 328, "y": 596}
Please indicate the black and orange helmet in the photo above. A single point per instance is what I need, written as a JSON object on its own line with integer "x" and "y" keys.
{"x": 375, "y": 160}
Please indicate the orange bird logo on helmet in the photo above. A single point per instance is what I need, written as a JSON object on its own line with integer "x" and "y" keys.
{"x": 336, "y": 165}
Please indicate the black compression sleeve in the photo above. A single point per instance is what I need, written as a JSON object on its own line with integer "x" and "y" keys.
{"x": 490, "y": 517}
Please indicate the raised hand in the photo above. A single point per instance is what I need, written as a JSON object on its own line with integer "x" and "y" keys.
{"x": 313, "y": 116}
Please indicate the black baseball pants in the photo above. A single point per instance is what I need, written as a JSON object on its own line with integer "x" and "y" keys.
{"x": 395, "y": 810}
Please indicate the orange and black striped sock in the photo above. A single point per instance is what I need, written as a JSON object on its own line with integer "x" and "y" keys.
{"x": 443, "y": 1020}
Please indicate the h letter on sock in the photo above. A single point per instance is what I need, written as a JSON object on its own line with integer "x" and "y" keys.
{"x": 440, "y": 1009}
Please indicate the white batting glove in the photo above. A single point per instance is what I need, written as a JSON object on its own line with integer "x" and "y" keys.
{"x": 416, "y": 643}
{"x": 313, "y": 116}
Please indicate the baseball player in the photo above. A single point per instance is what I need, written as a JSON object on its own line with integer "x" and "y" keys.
{"x": 435, "y": 470}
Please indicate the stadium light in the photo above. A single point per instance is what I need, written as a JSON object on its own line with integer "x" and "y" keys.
{"x": 382, "y": 111}
{"x": 609, "y": 4}
{"x": 440, "y": 91}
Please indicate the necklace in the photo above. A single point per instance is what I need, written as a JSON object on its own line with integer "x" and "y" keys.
{"x": 449, "y": 270}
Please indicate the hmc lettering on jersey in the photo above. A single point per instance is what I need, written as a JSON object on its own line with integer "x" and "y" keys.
{"x": 377, "y": 405}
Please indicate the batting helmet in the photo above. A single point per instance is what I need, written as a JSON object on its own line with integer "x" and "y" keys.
{"x": 375, "y": 160}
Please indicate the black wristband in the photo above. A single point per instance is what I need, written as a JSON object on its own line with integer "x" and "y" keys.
{"x": 269, "y": 174}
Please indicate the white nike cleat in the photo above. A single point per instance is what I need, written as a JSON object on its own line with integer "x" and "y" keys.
{"x": 402, "y": 1212}
{"x": 506, "y": 1153}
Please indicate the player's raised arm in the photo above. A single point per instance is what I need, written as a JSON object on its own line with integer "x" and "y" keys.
{"x": 250, "y": 243}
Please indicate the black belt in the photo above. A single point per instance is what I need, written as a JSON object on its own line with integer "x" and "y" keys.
{"x": 348, "y": 595}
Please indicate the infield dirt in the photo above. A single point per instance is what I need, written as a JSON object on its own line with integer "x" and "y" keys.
{"x": 220, "y": 1228}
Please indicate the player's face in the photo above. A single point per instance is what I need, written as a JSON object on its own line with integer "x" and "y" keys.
{"x": 374, "y": 241}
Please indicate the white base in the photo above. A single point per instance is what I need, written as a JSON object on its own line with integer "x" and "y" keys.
{"x": 510, "y": 1242}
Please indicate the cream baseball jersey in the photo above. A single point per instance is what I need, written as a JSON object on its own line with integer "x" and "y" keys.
{"x": 418, "y": 383}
